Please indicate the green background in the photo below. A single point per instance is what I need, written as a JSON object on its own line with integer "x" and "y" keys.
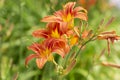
{"x": 19, "y": 18}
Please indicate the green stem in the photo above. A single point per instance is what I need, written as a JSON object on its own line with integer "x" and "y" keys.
{"x": 91, "y": 39}
{"x": 55, "y": 63}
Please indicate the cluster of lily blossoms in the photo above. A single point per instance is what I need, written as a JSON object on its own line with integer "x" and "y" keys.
{"x": 60, "y": 35}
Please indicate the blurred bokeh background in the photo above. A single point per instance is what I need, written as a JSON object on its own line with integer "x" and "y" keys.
{"x": 19, "y": 18}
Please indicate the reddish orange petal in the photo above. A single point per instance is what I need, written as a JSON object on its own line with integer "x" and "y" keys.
{"x": 49, "y": 43}
{"x": 60, "y": 43}
{"x": 29, "y": 58}
{"x": 41, "y": 33}
{"x": 52, "y": 26}
{"x": 41, "y": 62}
{"x": 81, "y": 15}
{"x": 36, "y": 47}
{"x": 59, "y": 13}
{"x": 70, "y": 4}
{"x": 77, "y": 9}
{"x": 61, "y": 47}
{"x": 63, "y": 28}
{"x": 69, "y": 7}
{"x": 51, "y": 19}
{"x": 59, "y": 51}
{"x": 56, "y": 45}
{"x": 52, "y": 43}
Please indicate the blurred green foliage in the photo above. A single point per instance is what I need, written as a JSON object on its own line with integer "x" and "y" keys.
{"x": 18, "y": 18}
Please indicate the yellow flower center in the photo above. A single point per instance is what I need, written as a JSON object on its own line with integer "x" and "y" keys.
{"x": 73, "y": 40}
{"x": 47, "y": 54}
{"x": 55, "y": 34}
{"x": 69, "y": 19}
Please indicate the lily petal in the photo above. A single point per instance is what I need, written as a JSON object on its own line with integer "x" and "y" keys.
{"x": 41, "y": 33}
{"x": 61, "y": 47}
{"x": 63, "y": 28}
{"x": 81, "y": 15}
{"x": 69, "y": 7}
{"x": 59, "y": 51}
{"x": 35, "y": 47}
{"x": 77, "y": 9}
{"x": 51, "y": 19}
{"x": 29, "y": 58}
{"x": 41, "y": 62}
{"x": 59, "y": 13}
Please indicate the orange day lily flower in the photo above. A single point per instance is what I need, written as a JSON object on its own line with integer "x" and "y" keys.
{"x": 109, "y": 36}
{"x": 44, "y": 50}
{"x": 67, "y": 15}
{"x": 56, "y": 30}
